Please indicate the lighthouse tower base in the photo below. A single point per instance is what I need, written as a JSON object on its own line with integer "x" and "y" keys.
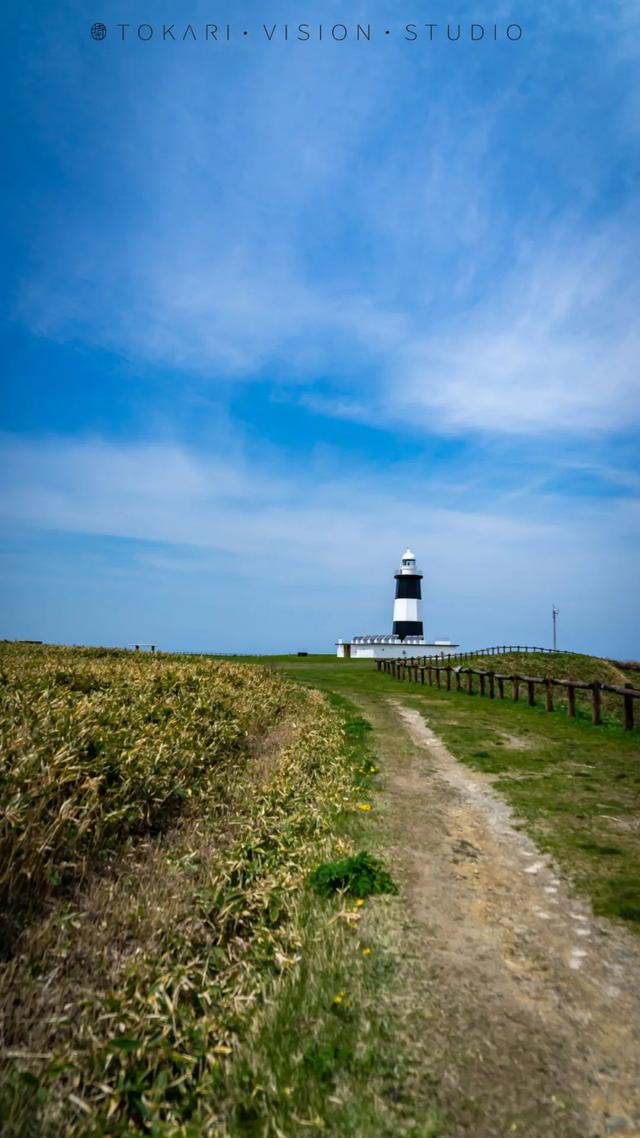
{"x": 392, "y": 648}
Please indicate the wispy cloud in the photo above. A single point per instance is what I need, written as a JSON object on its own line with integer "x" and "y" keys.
{"x": 404, "y": 271}
{"x": 554, "y": 346}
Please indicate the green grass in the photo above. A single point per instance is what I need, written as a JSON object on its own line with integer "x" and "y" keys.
{"x": 328, "y": 1056}
{"x": 575, "y": 787}
{"x": 564, "y": 666}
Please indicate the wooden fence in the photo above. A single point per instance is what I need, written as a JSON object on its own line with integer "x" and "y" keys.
{"x": 492, "y": 684}
{"x": 497, "y": 650}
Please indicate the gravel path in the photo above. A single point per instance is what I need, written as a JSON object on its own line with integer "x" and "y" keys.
{"x": 529, "y": 1007}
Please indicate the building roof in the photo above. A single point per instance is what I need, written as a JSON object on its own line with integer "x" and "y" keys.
{"x": 408, "y": 555}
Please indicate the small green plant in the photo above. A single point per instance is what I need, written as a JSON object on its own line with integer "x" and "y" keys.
{"x": 326, "y": 1058}
{"x": 359, "y": 876}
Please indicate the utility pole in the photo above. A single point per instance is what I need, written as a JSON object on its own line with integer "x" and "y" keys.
{"x": 554, "y": 614}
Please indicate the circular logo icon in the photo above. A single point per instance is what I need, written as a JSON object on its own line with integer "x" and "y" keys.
{"x": 98, "y": 31}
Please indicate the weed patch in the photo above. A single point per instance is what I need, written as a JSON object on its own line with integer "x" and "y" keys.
{"x": 358, "y": 876}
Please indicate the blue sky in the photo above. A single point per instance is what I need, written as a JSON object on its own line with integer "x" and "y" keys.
{"x": 276, "y": 309}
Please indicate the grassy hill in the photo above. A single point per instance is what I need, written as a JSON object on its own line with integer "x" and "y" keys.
{"x": 561, "y": 665}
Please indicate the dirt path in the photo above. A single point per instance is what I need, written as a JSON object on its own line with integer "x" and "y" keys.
{"x": 528, "y": 1006}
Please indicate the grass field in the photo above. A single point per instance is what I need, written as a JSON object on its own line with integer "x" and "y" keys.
{"x": 168, "y": 970}
{"x": 575, "y": 787}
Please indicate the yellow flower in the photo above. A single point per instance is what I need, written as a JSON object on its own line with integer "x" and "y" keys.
{"x": 364, "y": 806}
{"x": 359, "y": 902}
{"x": 366, "y": 952}
{"x": 339, "y": 998}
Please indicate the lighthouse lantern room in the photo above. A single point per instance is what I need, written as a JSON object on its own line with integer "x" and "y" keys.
{"x": 407, "y": 637}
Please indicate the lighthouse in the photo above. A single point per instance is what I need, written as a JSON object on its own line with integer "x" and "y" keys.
{"x": 407, "y": 638}
{"x": 407, "y": 607}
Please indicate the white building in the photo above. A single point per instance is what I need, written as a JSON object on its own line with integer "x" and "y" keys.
{"x": 407, "y": 638}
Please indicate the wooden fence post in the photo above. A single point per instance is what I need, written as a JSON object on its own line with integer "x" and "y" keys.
{"x": 458, "y": 680}
{"x": 549, "y": 686}
{"x": 516, "y": 688}
{"x": 448, "y": 673}
{"x": 531, "y": 692}
{"x": 628, "y": 710}
{"x": 501, "y": 687}
{"x": 437, "y": 675}
{"x": 596, "y": 716}
{"x": 481, "y": 683}
{"x": 469, "y": 682}
{"x": 430, "y": 674}
{"x": 571, "y": 700}
{"x": 492, "y": 690}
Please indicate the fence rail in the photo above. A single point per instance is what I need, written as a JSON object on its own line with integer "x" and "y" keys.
{"x": 497, "y": 650}
{"x": 493, "y": 683}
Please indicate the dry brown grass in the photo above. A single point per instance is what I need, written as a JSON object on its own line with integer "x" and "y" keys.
{"x": 125, "y": 1006}
{"x": 99, "y": 747}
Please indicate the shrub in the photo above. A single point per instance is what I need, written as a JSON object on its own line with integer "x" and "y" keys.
{"x": 359, "y": 876}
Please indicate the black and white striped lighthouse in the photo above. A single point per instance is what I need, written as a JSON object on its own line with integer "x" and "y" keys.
{"x": 407, "y": 607}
